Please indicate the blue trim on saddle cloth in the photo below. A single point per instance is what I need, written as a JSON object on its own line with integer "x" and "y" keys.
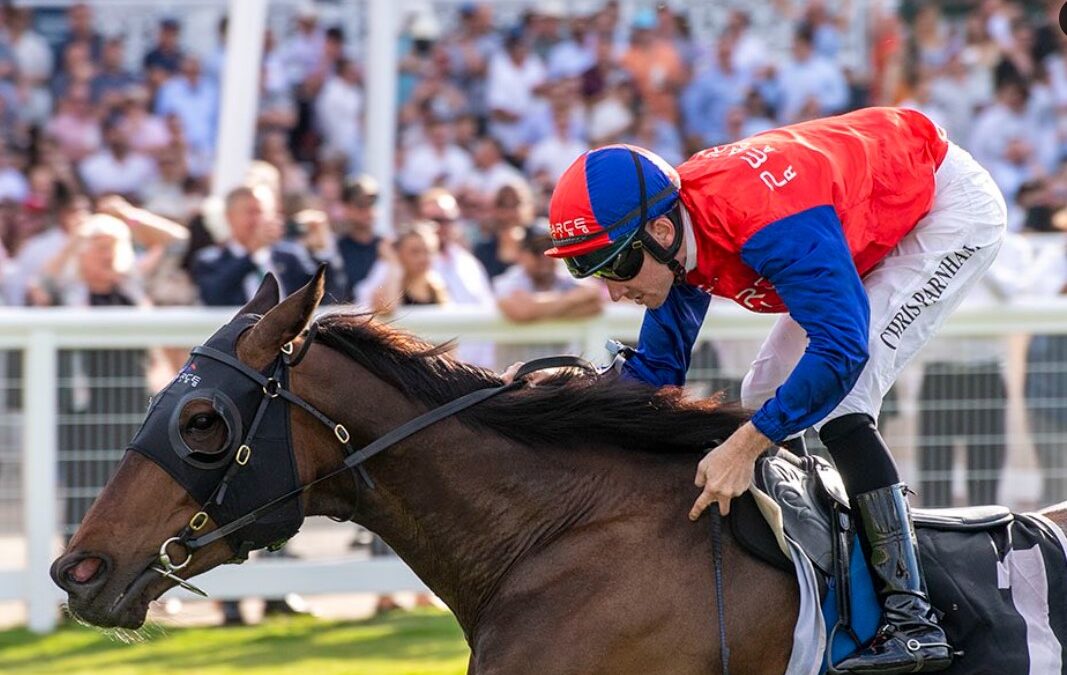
{"x": 866, "y": 610}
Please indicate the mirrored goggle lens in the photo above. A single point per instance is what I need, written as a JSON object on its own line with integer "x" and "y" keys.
{"x": 624, "y": 267}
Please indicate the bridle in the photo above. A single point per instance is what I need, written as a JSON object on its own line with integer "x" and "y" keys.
{"x": 273, "y": 386}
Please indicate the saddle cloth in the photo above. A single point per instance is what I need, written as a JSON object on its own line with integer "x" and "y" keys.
{"x": 999, "y": 578}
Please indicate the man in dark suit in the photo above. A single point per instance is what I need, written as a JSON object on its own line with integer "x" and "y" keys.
{"x": 228, "y": 274}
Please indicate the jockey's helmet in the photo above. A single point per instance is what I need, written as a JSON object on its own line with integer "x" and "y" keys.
{"x": 600, "y": 206}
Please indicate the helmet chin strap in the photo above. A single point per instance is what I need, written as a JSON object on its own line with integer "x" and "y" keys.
{"x": 645, "y": 240}
{"x": 666, "y": 256}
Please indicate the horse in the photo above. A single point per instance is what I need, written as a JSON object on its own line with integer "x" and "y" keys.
{"x": 551, "y": 519}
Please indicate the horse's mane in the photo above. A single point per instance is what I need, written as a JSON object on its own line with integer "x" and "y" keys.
{"x": 567, "y": 409}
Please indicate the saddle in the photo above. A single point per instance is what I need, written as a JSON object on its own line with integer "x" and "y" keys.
{"x": 996, "y": 577}
{"x": 809, "y": 496}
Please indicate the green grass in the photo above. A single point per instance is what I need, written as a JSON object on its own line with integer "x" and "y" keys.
{"x": 416, "y": 643}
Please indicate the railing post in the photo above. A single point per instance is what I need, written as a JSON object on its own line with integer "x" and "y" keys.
{"x": 39, "y": 476}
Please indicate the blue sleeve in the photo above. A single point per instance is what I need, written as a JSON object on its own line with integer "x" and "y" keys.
{"x": 668, "y": 333}
{"x": 806, "y": 258}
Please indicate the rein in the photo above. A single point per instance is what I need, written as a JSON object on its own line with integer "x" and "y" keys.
{"x": 354, "y": 459}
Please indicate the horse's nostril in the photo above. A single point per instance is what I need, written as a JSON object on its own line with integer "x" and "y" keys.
{"x": 84, "y": 571}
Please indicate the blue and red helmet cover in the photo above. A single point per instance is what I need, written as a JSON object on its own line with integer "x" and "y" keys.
{"x": 597, "y": 200}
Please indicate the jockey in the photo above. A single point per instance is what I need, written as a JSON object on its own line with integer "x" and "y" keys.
{"x": 865, "y": 230}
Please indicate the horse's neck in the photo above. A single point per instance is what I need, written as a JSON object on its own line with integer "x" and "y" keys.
{"x": 462, "y": 507}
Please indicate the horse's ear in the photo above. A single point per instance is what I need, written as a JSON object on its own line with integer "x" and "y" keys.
{"x": 260, "y": 345}
{"x": 265, "y": 299}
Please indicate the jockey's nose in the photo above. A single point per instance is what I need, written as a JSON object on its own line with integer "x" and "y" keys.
{"x": 616, "y": 289}
{"x": 78, "y": 573}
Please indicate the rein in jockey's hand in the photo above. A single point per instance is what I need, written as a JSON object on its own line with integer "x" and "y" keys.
{"x": 726, "y": 472}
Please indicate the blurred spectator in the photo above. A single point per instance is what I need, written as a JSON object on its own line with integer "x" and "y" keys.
{"x": 169, "y": 194}
{"x": 660, "y": 136}
{"x": 954, "y": 92}
{"x": 489, "y": 171}
{"x": 654, "y": 65}
{"x": 316, "y": 237}
{"x": 750, "y": 53}
{"x": 538, "y": 288}
{"x": 228, "y": 274}
{"x": 1044, "y": 203}
{"x": 505, "y": 228}
{"x": 112, "y": 81}
{"x": 404, "y": 274}
{"x": 80, "y": 29}
{"x": 515, "y": 77}
{"x": 194, "y": 102}
{"x": 1017, "y": 61}
{"x": 274, "y": 149}
{"x": 931, "y": 41}
{"x": 575, "y": 54}
{"x": 358, "y": 243}
{"x": 712, "y": 93}
{"x": 611, "y": 113}
{"x": 465, "y": 279}
{"x": 809, "y": 84}
{"x": 339, "y": 115}
{"x": 438, "y": 162}
{"x": 144, "y": 131}
{"x": 302, "y": 53}
{"x": 13, "y": 184}
{"x": 825, "y": 29}
{"x": 161, "y": 244}
{"x": 76, "y": 69}
{"x": 71, "y": 212}
{"x": 75, "y": 129}
{"x": 551, "y": 156}
{"x": 164, "y": 60}
{"x": 116, "y": 168}
{"x": 562, "y": 96}
{"x": 1009, "y": 140}
{"x": 33, "y": 57}
{"x": 470, "y": 52}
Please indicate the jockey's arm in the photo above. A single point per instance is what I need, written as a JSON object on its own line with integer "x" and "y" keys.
{"x": 668, "y": 333}
{"x": 806, "y": 258}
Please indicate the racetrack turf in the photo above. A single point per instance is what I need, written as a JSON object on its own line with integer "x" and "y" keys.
{"x": 423, "y": 642}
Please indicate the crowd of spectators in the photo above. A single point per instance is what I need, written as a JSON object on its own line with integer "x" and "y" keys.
{"x": 490, "y": 114}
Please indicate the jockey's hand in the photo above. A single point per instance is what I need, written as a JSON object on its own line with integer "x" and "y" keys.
{"x": 726, "y": 471}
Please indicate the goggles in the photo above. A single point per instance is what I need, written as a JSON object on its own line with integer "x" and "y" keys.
{"x": 623, "y": 266}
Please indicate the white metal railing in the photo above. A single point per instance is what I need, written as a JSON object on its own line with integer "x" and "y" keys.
{"x": 41, "y": 333}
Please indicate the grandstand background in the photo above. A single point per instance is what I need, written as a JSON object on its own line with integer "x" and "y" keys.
{"x": 403, "y": 143}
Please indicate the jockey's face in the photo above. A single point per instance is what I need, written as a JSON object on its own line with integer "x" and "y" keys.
{"x": 652, "y": 284}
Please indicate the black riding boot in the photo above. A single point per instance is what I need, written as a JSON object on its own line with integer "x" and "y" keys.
{"x": 910, "y": 639}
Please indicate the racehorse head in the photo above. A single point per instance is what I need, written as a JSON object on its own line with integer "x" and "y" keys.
{"x": 216, "y": 443}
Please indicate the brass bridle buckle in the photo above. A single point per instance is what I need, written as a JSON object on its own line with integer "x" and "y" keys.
{"x": 167, "y": 568}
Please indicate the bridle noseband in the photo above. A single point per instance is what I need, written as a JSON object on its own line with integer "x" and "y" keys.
{"x": 274, "y": 386}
